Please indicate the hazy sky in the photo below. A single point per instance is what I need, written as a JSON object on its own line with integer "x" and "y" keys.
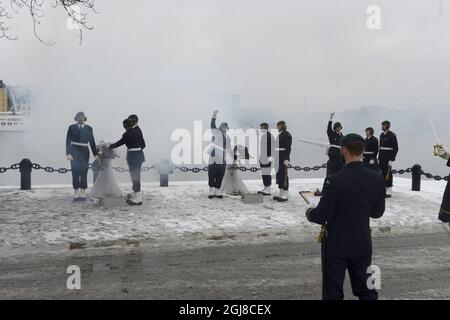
{"x": 162, "y": 59}
{"x": 271, "y": 52}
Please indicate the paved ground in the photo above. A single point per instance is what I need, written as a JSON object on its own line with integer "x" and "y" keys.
{"x": 413, "y": 266}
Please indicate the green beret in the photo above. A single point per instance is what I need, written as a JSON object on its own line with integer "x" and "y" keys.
{"x": 350, "y": 138}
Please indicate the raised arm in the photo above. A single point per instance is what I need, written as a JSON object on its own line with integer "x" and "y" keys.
{"x": 330, "y": 125}
{"x": 213, "y": 120}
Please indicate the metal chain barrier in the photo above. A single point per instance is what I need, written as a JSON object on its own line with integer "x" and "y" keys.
{"x": 251, "y": 169}
{"x": 14, "y": 166}
{"x": 437, "y": 177}
{"x": 48, "y": 169}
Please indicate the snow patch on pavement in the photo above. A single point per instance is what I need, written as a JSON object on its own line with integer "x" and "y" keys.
{"x": 182, "y": 212}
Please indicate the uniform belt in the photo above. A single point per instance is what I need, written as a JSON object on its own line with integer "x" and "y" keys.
{"x": 387, "y": 148}
{"x": 335, "y": 146}
{"x": 134, "y": 149}
{"x": 369, "y": 152}
{"x": 280, "y": 149}
{"x": 79, "y": 144}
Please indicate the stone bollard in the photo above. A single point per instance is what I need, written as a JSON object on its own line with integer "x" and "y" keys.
{"x": 165, "y": 167}
{"x": 25, "y": 168}
{"x": 416, "y": 172}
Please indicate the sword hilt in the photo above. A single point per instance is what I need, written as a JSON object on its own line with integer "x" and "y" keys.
{"x": 436, "y": 149}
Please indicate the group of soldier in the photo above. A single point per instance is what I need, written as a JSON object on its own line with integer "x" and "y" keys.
{"x": 359, "y": 179}
{"x": 80, "y": 137}
{"x": 274, "y": 152}
{"x": 378, "y": 155}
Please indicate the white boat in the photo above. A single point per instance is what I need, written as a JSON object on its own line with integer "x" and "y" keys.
{"x": 13, "y": 121}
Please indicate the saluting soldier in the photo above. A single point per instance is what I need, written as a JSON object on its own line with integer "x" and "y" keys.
{"x": 370, "y": 156}
{"x": 335, "y": 135}
{"x": 220, "y": 154}
{"x": 388, "y": 153}
{"x": 444, "y": 212}
{"x": 265, "y": 158}
{"x": 283, "y": 145}
{"x": 135, "y": 143}
{"x": 79, "y": 137}
{"x": 350, "y": 198}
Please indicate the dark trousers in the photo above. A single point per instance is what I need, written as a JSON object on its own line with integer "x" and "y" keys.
{"x": 215, "y": 175}
{"x": 282, "y": 176}
{"x": 386, "y": 172}
{"x": 444, "y": 213}
{"x": 334, "y": 164}
{"x": 266, "y": 174}
{"x": 135, "y": 174}
{"x": 333, "y": 276}
{"x": 80, "y": 167}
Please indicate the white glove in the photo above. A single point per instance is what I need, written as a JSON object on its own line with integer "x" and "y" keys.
{"x": 97, "y": 158}
{"x": 69, "y": 157}
{"x": 390, "y": 163}
{"x": 332, "y": 115}
{"x": 215, "y": 112}
{"x": 286, "y": 163}
{"x": 372, "y": 161}
{"x": 443, "y": 153}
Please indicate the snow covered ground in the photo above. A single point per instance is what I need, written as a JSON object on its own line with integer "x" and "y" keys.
{"x": 182, "y": 213}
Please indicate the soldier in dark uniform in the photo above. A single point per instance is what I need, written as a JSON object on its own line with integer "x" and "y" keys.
{"x": 370, "y": 156}
{"x": 265, "y": 158}
{"x": 444, "y": 212}
{"x": 79, "y": 137}
{"x": 135, "y": 143}
{"x": 335, "y": 135}
{"x": 283, "y": 145}
{"x": 220, "y": 154}
{"x": 350, "y": 198}
{"x": 388, "y": 153}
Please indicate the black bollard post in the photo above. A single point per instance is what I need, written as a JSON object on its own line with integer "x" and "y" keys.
{"x": 25, "y": 168}
{"x": 416, "y": 172}
{"x": 164, "y": 180}
{"x": 165, "y": 167}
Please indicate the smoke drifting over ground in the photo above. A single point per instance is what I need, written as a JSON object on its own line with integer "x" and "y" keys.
{"x": 173, "y": 62}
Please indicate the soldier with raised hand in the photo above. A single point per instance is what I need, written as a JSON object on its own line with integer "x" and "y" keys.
{"x": 388, "y": 153}
{"x": 334, "y": 133}
{"x": 79, "y": 138}
{"x": 351, "y": 197}
{"x": 220, "y": 154}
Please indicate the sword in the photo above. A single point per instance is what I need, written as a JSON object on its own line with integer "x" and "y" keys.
{"x": 430, "y": 120}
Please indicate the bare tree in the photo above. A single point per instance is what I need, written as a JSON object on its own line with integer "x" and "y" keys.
{"x": 76, "y": 10}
